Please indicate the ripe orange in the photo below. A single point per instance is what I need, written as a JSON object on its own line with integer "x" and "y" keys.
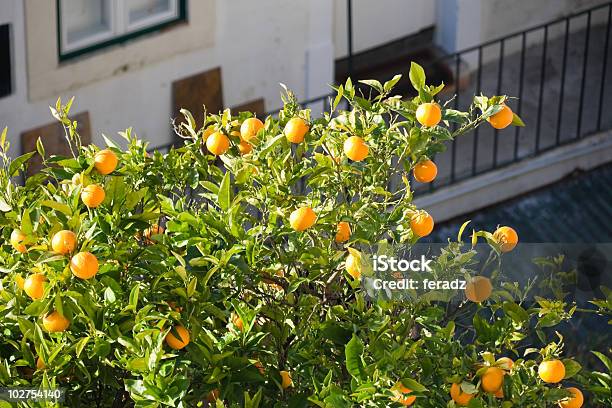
{"x": 478, "y": 289}
{"x": 93, "y": 195}
{"x": 492, "y": 379}
{"x": 207, "y": 132}
{"x": 551, "y": 371}
{"x": 295, "y": 130}
{"x": 237, "y": 321}
{"x": 302, "y": 218}
{"x": 356, "y": 149}
{"x": 575, "y": 401}
{"x": 461, "y": 398}
{"x": 421, "y": 223}
{"x": 505, "y": 363}
{"x": 499, "y": 393}
{"x": 402, "y": 395}
{"x": 506, "y": 237}
{"x": 84, "y": 265}
{"x": 153, "y": 230}
{"x": 34, "y": 286}
{"x": 105, "y": 161}
{"x": 174, "y": 342}
{"x": 54, "y": 322}
{"x": 18, "y": 239}
{"x": 343, "y": 231}
{"x": 501, "y": 119}
{"x": 249, "y": 128}
{"x": 217, "y": 143}
{"x": 429, "y": 114}
{"x": 353, "y": 265}
{"x": 425, "y": 171}
{"x": 286, "y": 379}
{"x": 40, "y": 364}
{"x": 64, "y": 242}
{"x": 245, "y": 148}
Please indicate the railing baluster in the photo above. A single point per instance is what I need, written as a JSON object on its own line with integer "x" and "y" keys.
{"x": 520, "y": 93}
{"x": 454, "y": 143}
{"x": 349, "y": 28}
{"x": 541, "y": 96}
{"x": 584, "y": 72}
{"x": 478, "y": 88}
{"x": 562, "y": 89}
{"x": 604, "y": 68}
{"x": 500, "y": 65}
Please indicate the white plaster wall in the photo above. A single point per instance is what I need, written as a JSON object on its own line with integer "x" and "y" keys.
{"x": 377, "y": 22}
{"x": 257, "y": 44}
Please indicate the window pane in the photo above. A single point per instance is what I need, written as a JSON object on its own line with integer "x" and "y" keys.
{"x": 86, "y": 21}
{"x": 150, "y": 10}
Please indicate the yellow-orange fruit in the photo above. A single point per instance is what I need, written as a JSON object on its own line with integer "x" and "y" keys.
{"x": 343, "y": 231}
{"x": 356, "y": 148}
{"x": 551, "y": 371}
{"x": 54, "y": 322}
{"x": 18, "y": 239}
{"x": 176, "y": 343}
{"x": 353, "y": 266}
{"x": 93, "y": 195}
{"x": 492, "y": 380}
{"x": 40, "y": 364}
{"x": 237, "y": 321}
{"x": 295, "y": 130}
{"x": 245, "y": 147}
{"x": 84, "y": 265}
{"x": 421, "y": 224}
{"x": 499, "y": 393}
{"x": 425, "y": 171}
{"x": 217, "y": 143}
{"x": 34, "y": 286}
{"x": 302, "y": 218}
{"x": 501, "y": 119}
{"x": 506, "y": 237}
{"x": 402, "y": 395}
{"x": 478, "y": 289}
{"x": 153, "y": 230}
{"x": 286, "y": 379}
{"x": 249, "y": 128}
{"x": 429, "y": 114}
{"x": 105, "y": 161}
{"x": 461, "y": 398}
{"x": 64, "y": 242}
{"x": 575, "y": 401}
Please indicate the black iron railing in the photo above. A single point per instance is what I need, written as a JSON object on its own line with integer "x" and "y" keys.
{"x": 558, "y": 72}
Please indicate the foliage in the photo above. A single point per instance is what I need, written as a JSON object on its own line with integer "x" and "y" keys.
{"x": 258, "y": 297}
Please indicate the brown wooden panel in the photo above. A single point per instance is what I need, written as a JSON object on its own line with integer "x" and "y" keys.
{"x": 196, "y": 91}
{"x": 256, "y": 106}
{"x": 54, "y": 140}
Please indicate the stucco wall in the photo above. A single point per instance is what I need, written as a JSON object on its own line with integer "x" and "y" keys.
{"x": 378, "y": 22}
{"x": 257, "y": 44}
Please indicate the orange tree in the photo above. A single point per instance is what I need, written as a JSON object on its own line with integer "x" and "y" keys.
{"x": 228, "y": 271}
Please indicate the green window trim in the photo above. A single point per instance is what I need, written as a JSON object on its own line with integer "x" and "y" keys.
{"x": 181, "y": 17}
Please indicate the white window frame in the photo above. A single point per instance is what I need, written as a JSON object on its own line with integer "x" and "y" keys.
{"x": 119, "y": 25}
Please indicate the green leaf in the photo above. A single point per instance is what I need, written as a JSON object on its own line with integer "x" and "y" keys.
{"x": 63, "y": 208}
{"x": 40, "y": 148}
{"x": 17, "y": 164}
{"x": 353, "y": 353}
{"x": 571, "y": 368}
{"x": 517, "y": 121}
{"x": 224, "y": 192}
{"x": 391, "y": 83}
{"x": 373, "y": 83}
{"x": 460, "y": 234}
{"x": 413, "y": 385}
{"x": 516, "y": 312}
{"x": 417, "y": 76}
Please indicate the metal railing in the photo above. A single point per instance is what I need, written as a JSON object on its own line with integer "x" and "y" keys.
{"x": 541, "y": 66}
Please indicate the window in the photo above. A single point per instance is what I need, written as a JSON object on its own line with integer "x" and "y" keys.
{"x": 86, "y": 25}
{"x": 5, "y": 61}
